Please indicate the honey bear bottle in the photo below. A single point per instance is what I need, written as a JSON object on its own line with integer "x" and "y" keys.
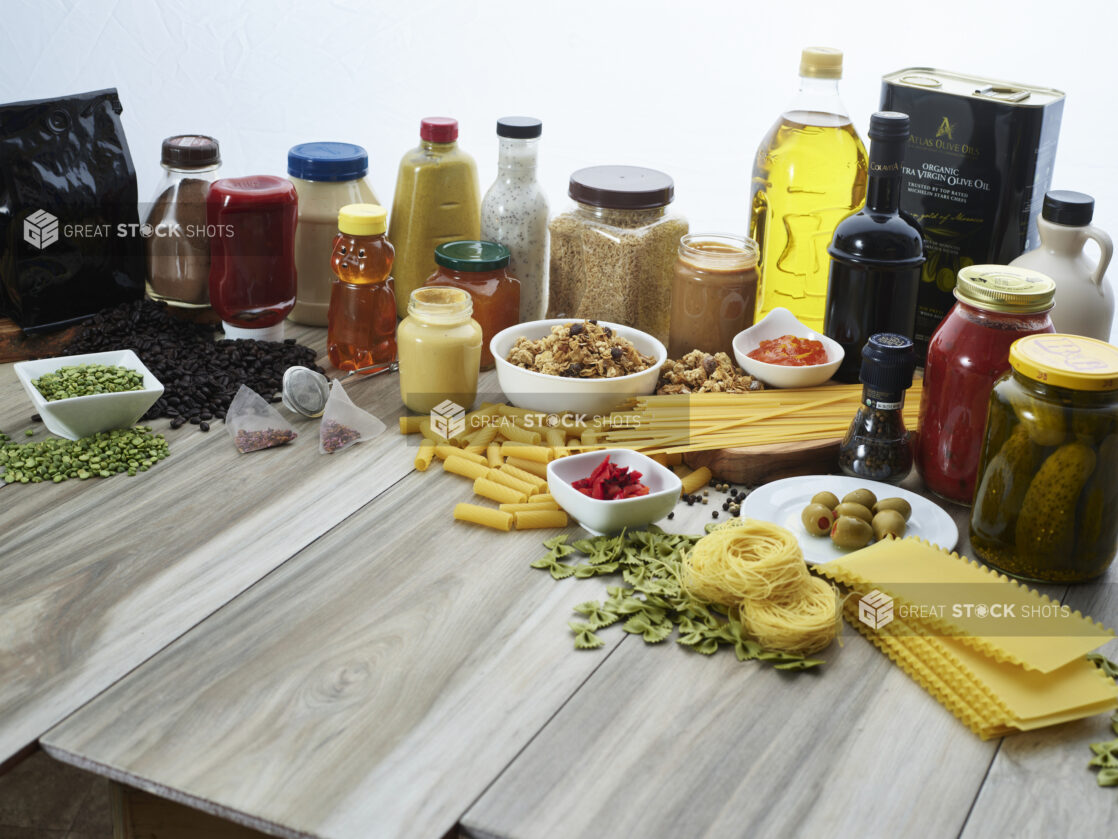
{"x": 362, "y": 316}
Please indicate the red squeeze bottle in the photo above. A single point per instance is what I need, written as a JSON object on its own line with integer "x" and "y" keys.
{"x": 252, "y": 254}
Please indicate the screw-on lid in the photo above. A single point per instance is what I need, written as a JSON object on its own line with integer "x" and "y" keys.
{"x": 1061, "y": 206}
{"x": 520, "y": 128}
{"x": 469, "y": 255}
{"x": 362, "y": 220}
{"x": 327, "y": 162}
{"x": 1070, "y": 361}
{"x": 190, "y": 151}
{"x": 621, "y": 187}
{"x": 438, "y": 129}
{"x": 821, "y": 63}
{"x": 888, "y": 360}
{"x": 889, "y": 126}
{"x": 1005, "y": 288}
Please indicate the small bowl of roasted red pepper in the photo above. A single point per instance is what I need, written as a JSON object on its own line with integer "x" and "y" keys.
{"x": 782, "y": 352}
{"x": 614, "y": 489}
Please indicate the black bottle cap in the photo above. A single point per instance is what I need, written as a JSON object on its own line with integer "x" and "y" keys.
{"x": 521, "y": 128}
{"x": 888, "y": 360}
{"x": 1074, "y": 209}
{"x": 889, "y": 125}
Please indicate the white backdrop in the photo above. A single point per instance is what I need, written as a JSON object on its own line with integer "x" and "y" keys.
{"x": 686, "y": 87}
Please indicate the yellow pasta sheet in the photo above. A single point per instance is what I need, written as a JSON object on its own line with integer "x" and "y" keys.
{"x": 957, "y": 598}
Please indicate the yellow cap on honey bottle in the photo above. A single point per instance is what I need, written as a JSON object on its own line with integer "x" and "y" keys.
{"x": 821, "y": 63}
{"x": 362, "y": 220}
{"x": 1069, "y": 361}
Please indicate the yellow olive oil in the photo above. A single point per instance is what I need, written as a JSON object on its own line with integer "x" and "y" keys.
{"x": 809, "y": 174}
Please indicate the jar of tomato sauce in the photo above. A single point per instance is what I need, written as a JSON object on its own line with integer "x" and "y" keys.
{"x": 481, "y": 269}
{"x": 968, "y": 352}
{"x": 252, "y": 254}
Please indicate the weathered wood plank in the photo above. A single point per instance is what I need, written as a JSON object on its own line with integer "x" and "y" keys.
{"x": 659, "y": 742}
{"x": 98, "y": 575}
{"x": 1039, "y": 784}
{"x": 374, "y": 685}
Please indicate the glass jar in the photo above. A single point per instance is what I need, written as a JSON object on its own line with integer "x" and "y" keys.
{"x": 877, "y": 445}
{"x": 440, "y": 349}
{"x": 514, "y": 211}
{"x": 327, "y": 177}
{"x": 1047, "y": 496}
{"x": 252, "y": 254}
{"x": 178, "y": 249}
{"x": 714, "y": 290}
{"x": 966, "y": 355}
{"x": 613, "y": 255}
{"x": 437, "y": 200}
{"x": 362, "y": 315}
{"x": 481, "y": 269}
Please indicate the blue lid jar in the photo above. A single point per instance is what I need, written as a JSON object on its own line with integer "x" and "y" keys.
{"x": 327, "y": 162}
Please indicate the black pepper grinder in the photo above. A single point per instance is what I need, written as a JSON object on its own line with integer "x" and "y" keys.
{"x": 876, "y": 445}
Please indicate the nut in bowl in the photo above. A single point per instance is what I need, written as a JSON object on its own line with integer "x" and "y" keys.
{"x": 576, "y": 381}
{"x": 80, "y": 416}
{"x": 775, "y": 325}
{"x": 613, "y": 515}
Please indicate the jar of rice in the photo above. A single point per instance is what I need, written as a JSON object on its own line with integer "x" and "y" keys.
{"x": 613, "y": 253}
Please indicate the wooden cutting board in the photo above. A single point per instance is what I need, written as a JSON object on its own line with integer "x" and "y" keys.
{"x": 16, "y": 346}
{"x": 760, "y": 464}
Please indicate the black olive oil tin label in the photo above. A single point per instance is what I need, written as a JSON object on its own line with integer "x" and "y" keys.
{"x": 978, "y": 163}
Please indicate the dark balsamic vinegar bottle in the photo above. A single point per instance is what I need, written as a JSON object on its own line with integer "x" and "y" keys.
{"x": 876, "y": 254}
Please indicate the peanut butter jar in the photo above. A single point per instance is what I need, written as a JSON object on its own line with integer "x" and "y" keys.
{"x": 714, "y": 288}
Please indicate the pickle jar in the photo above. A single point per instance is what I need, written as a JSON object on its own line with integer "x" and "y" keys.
{"x": 1047, "y": 494}
{"x": 613, "y": 255}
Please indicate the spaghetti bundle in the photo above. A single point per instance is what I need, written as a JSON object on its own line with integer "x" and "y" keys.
{"x": 757, "y": 569}
{"x": 681, "y": 423}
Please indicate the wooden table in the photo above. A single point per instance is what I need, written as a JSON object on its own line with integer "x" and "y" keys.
{"x": 317, "y": 650}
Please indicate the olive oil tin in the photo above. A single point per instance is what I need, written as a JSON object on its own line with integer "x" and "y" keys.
{"x": 978, "y": 163}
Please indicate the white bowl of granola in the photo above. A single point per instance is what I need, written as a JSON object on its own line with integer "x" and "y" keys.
{"x": 541, "y": 366}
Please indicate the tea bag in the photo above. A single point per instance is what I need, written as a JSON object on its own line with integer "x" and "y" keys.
{"x": 344, "y": 424}
{"x": 254, "y": 424}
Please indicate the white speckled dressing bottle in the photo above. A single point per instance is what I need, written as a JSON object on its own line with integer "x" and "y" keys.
{"x": 514, "y": 212}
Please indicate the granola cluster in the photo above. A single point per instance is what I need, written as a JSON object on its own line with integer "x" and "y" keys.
{"x": 700, "y": 372}
{"x": 582, "y": 350}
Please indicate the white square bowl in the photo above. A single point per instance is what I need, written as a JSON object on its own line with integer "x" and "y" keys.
{"x": 556, "y": 394}
{"x": 81, "y": 416}
{"x": 776, "y": 323}
{"x": 597, "y": 516}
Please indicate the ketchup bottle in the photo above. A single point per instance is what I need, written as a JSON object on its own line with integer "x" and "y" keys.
{"x": 252, "y": 254}
{"x": 362, "y": 317}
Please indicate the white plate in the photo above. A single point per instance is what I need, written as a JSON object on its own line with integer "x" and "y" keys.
{"x": 781, "y": 502}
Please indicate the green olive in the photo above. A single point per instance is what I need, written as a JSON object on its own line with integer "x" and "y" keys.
{"x": 851, "y": 532}
{"x": 827, "y": 499}
{"x": 817, "y": 519}
{"x": 898, "y": 504}
{"x": 860, "y": 496}
{"x": 859, "y": 511}
{"x": 888, "y": 523}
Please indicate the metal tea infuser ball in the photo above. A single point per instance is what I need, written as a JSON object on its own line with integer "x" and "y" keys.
{"x": 306, "y": 391}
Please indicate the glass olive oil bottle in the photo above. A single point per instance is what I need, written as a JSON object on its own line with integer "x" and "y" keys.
{"x": 809, "y": 174}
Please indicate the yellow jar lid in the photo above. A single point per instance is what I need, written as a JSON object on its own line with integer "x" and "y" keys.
{"x": 1005, "y": 288}
{"x": 1070, "y": 361}
{"x": 821, "y": 63}
{"x": 362, "y": 219}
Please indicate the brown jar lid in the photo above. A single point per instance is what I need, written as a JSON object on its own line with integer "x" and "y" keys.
{"x": 621, "y": 187}
{"x": 191, "y": 151}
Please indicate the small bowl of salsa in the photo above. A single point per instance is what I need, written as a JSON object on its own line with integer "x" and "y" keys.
{"x": 782, "y": 352}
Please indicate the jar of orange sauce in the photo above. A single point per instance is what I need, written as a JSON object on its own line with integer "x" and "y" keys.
{"x": 481, "y": 269}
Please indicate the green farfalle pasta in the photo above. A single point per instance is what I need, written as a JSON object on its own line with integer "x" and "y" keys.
{"x": 651, "y": 601}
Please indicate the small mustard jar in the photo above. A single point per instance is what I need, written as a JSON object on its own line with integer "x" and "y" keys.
{"x": 439, "y": 345}
{"x": 1046, "y": 501}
